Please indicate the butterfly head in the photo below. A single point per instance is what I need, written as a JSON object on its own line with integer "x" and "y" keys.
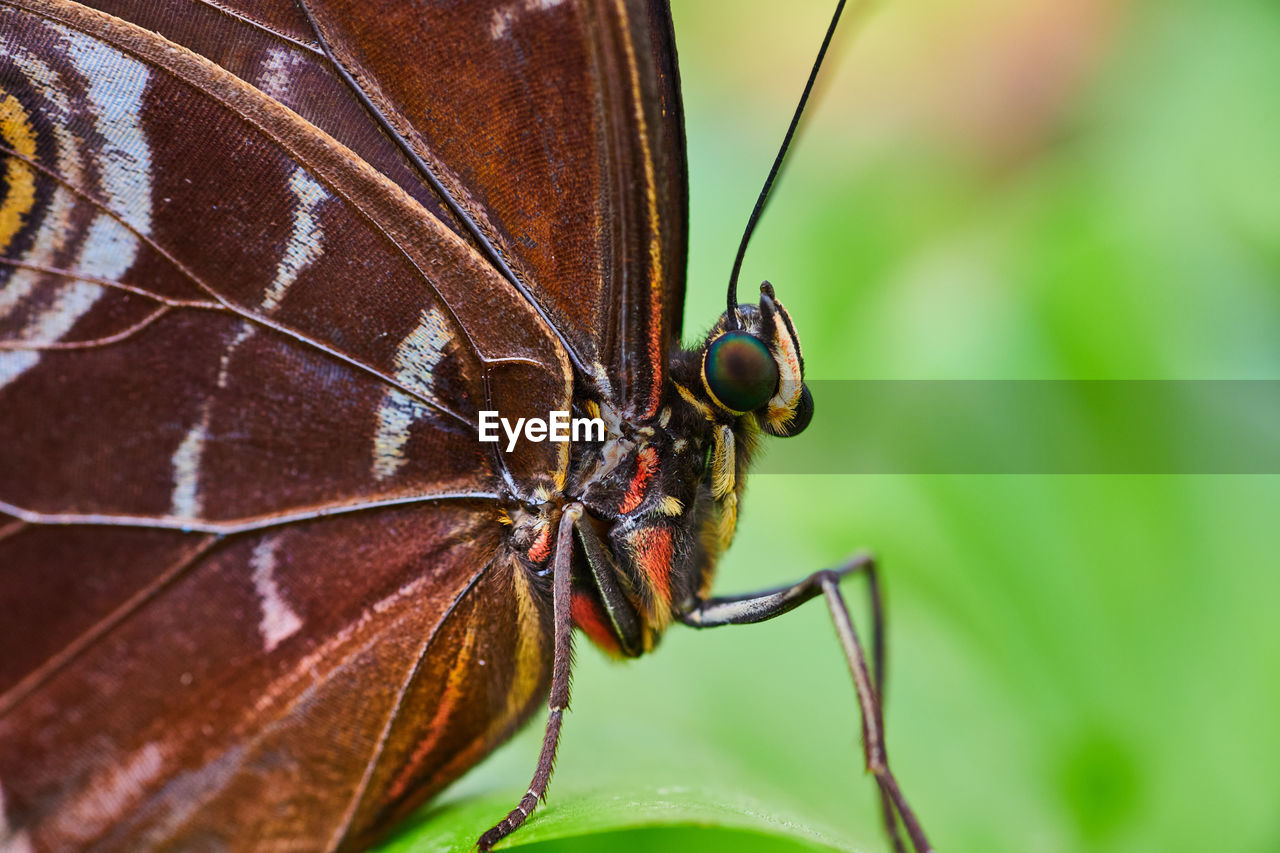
{"x": 664, "y": 492}
{"x": 757, "y": 368}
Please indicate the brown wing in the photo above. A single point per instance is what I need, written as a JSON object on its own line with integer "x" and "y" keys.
{"x": 244, "y": 691}
{"x": 214, "y": 315}
{"x": 247, "y": 533}
{"x": 557, "y": 129}
{"x": 271, "y": 46}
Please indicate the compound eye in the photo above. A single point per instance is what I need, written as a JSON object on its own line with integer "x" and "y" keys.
{"x": 740, "y": 372}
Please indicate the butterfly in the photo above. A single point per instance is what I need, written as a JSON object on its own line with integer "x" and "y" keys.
{"x": 266, "y": 266}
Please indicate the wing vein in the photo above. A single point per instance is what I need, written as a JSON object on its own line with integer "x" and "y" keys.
{"x": 349, "y": 816}
{"x": 493, "y": 254}
{"x": 258, "y": 25}
{"x": 116, "y": 285}
{"x": 234, "y": 526}
{"x": 253, "y": 318}
{"x": 106, "y": 340}
{"x": 32, "y": 682}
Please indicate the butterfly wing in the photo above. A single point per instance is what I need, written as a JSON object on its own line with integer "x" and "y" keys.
{"x": 232, "y": 691}
{"x": 557, "y": 127}
{"x": 186, "y": 240}
{"x": 272, "y": 46}
{"x": 245, "y": 513}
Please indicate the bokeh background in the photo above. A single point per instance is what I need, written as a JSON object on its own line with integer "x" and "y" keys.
{"x": 993, "y": 189}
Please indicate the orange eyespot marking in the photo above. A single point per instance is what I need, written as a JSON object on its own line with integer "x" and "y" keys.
{"x": 654, "y": 553}
{"x": 592, "y": 621}
{"x": 542, "y": 545}
{"x": 17, "y": 179}
{"x": 645, "y": 469}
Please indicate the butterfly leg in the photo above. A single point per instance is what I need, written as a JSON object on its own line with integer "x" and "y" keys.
{"x": 562, "y": 631}
{"x": 765, "y": 605}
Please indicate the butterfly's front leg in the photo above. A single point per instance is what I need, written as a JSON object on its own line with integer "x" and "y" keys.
{"x": 766, "y": 604}
{"x": 562, "y": 632}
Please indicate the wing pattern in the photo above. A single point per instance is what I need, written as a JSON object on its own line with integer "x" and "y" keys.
{"x": 252, "y": 579}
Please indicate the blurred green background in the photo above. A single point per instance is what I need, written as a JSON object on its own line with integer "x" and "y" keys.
{"x": 995, "y": 189}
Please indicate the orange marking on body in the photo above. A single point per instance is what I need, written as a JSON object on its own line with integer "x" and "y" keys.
{"x": 592, "y": 621}
{"x": 542, "y": 546}
{"x": 646, "y": 467}
{"x": 654, "y": 553}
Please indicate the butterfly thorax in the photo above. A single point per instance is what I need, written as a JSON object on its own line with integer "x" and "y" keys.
{"x": 662, "y": 493}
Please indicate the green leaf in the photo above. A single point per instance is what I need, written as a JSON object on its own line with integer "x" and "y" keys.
{"x": 641, "y": 816}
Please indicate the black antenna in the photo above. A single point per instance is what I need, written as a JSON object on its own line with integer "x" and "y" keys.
{"x": 732, "y": 298}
